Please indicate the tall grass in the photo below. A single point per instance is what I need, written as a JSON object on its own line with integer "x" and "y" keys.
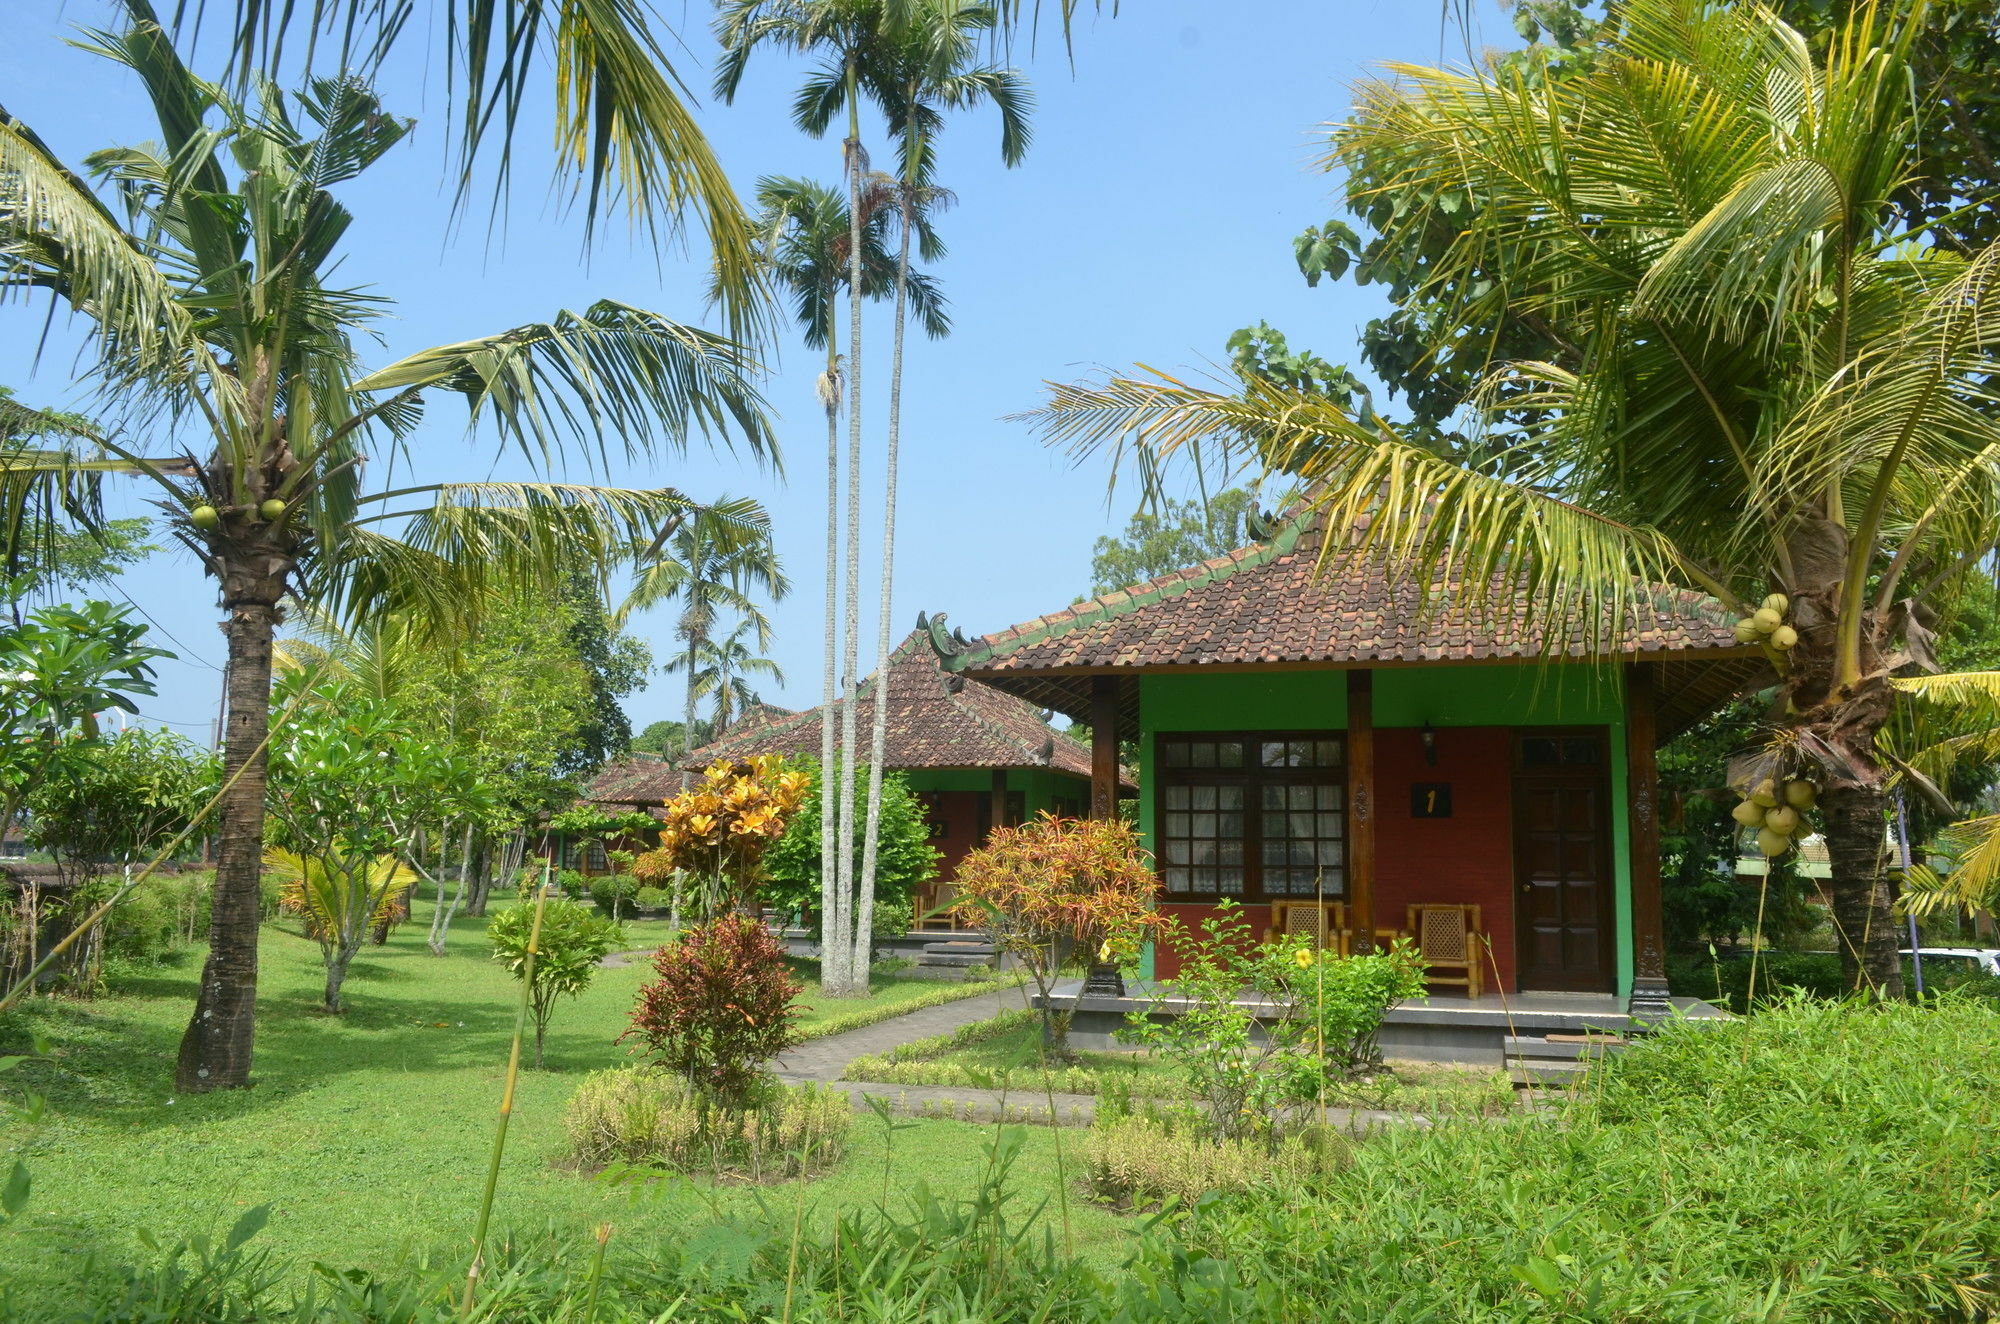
{"x": 1820, "y": 1162}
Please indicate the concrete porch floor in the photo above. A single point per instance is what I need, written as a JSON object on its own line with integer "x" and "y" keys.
{"x": 1442, "y": 1028}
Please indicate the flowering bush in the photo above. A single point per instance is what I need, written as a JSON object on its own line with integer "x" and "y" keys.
{"x": 720, "y": 1008}
{"x": 1057, "y": 893}
{"x": 718, "y": 830}
{"x": 1321, "y": 1011}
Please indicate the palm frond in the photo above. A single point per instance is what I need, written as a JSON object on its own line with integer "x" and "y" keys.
{"x": 56, "y": 235}
{"x": 612, "y": 370}
{"x": 1494, "y": 544}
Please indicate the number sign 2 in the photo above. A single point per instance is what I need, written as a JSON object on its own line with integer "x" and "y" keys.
{"x": 1430, "y": 800}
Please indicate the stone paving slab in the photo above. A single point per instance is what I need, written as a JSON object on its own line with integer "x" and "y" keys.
{"x": 824, "y": 1059}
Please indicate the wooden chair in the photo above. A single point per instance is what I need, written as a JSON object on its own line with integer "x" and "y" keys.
{"x": 1450, "y": 939}
{"x": 1325, "y": 924}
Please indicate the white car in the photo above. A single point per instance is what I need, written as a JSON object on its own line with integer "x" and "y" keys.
{"x": 1959, "y": 960}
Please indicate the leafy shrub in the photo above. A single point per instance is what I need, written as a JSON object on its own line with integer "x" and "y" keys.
{"x": 572, "y": 884}
{"x": 1056, "y": 893}
{"x": 571, "y": 943}
{"x": 653, "y": 898}
{"x": 721, "y": 1007}
{"x": 165, "y": 912}
{"x": 1320, "y": 1027}
{"x": 1724, "y": 978}
{"x": 645, "y": 1115}
{"x": 904, "y": 858}
{"x": 612, "y": 893}
{"x": 718, "y": 831}
{"x": 1137, "y": 1161}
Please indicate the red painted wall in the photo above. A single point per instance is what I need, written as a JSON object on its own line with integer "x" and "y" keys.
{"x": 1467, "y": 858}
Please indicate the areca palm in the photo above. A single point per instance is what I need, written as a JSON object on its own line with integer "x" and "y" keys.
{"x": 936, "y": 69}
{"x": 855, "y": 38}
{"x": 808, "y": 235}
{"x": 1761, "y": 383}
{"x": 217, "y": 330}
{"x": 706, "y": 565}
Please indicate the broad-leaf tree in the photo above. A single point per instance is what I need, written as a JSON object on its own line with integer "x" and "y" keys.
{"x": 1766, "y": 382}
{"x": 219, "y": 330}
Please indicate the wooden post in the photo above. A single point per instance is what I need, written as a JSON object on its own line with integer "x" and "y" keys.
{"x": 1649, "y": 960}
{"x": 998, "y": 813}
{"x": 1104, "y": 746}
{"x": 1361, "y": 807}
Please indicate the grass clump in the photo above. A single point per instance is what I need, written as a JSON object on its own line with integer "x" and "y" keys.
{"x": 1139, "y": 1161}
{"x": 643, "y": 1115}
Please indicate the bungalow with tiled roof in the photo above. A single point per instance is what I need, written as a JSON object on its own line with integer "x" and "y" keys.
{"x": 1311, "y": 734}
{"x": 974, "y": 755}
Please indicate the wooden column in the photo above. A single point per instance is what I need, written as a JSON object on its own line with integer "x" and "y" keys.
{"x": 1361, "y": 808}
{"x": 998, "y": 813}
{"x": 1103, "y": 981}
{"x": 1104, "y": 747}
{"x": 1642, "y": 782}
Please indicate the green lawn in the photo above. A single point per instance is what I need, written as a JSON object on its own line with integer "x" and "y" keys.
{"x": 368, "y": 1133}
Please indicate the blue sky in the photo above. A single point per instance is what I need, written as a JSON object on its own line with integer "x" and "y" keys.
{"x": 1172, "y": 165}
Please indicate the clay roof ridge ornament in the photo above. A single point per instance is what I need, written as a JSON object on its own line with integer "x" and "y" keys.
{"x": 949, "y": 646}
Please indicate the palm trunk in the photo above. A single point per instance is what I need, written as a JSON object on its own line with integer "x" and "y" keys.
{"x": 215, "y": 1050}
{"x": 878, "y": 738}
{"x": 854, "y": 980}
{"x": 829, "y": 878}
{"x": 687, "y": 716}
{"x": 1863, "y": 912}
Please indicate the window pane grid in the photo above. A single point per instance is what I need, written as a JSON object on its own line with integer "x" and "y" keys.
{"x": 1252, "y": 815}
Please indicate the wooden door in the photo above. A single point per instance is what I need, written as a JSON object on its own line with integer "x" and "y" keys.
{"x": 1563, "y": 914}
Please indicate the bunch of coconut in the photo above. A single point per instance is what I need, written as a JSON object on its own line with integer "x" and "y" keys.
{"x": 1777, "y": 810}
{"x": 1767, "y": 625}
{"x": 207, "y": 518}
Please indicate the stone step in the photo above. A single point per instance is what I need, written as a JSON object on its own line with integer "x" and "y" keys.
{"x": 1559, "y": 1047}
{"x": 956, "y": 960}
{"x": 1547, "y": 1071}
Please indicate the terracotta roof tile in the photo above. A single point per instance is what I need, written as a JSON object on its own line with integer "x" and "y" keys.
{"x": 1275, "y": 602}
{"x": 935, "y": 720}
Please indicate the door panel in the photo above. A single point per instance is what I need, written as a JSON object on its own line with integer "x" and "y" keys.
{"x": 1562, "y": 864}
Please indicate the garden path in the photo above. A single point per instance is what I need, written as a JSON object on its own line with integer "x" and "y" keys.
{"x": 821, "y": 1061}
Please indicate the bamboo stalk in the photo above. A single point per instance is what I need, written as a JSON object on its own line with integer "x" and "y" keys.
{"x": 506, "y": 1099}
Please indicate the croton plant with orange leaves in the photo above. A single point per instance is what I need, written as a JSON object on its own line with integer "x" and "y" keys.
{"x": 718, "y": 829}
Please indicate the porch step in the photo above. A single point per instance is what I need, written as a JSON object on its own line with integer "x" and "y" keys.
{"x": 1559, "y": 1047}
{"x": 1557, "y": 1058}
{"x": 1547, "y": 1071}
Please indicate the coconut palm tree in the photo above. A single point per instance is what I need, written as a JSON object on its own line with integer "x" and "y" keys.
{"x": 708, "y": 564}
{"x": 806, "y": 233}
{"x": 720, "y": 667}
{"x": 216, "y": 328}
{"x": 1762, "y": 386}
{"x": 937, "y": 70}
{"x": 624, "y": 130}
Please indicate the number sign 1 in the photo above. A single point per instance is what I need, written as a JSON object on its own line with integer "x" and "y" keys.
{"x": 1430, "y": 800}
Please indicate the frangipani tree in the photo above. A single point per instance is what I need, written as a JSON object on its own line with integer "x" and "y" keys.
{"x": 1760, "y": 382}
{"x": 353, "y": 781}
{"x": 217, "y": 328}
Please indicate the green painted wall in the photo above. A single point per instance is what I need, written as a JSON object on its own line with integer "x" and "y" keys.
{"x": 1495, "y": 694}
